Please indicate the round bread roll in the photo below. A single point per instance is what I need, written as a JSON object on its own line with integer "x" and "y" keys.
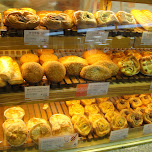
{"x": 29, "y": 58}
{"x": 48, "y": 57}
{"x": 45, "y": 51}
{"x": 54, "y": 71}
{"x": 32, "y": 72}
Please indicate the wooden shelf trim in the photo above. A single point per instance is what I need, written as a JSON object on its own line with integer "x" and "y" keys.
{"x": 135, "y": 1}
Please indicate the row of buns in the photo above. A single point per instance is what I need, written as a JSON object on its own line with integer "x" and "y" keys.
{"x": 27, "y": 18}
{"x": 102, "y": 115}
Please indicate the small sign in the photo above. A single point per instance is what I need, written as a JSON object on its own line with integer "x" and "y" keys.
{"x": 119, "y": 134}
{"x": 147, "y": 129}
{"x": 96, "y": 37}
{"x": 81, "y": 90}
{"x": 97, "y": 88}
{"x": 37, "y": 93}
{"x": 146, "y": 38}
{"x": 36, "y": 37}
{"x": 56, "y": 143}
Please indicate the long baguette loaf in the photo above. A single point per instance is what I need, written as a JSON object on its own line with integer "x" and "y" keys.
{"x": 142, "y": 19}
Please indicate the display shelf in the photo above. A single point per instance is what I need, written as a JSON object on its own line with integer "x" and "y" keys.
{"x": 135, "y": 1}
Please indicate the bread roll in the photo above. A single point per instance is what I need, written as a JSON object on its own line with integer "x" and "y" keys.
{"x": 54, "y": 71}
{"x": 95, "y": 73}
{"x": 84, "y": 19}
{"x": 32, "y": 72}
{"x": 48, "y": 57}
{"x": 73, "y": 64}
{"x": 45, "y": 52}
{"x": 29, "y": 58}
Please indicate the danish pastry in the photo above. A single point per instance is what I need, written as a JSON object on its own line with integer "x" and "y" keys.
{"x": 148, "y": 117}
{"x": 106, "y": 106}
{"x": 94, "y": 117}
{"x": 135, "y": 53}
{"x": 146, "y": 53}
{"x": 73, "y": 64}
{"x": 91, "y": 109}
{"x": 105, "y": 18}
{"x": 135, "y": 102}
{"x": 48, "y": 57}
{"x": 101, "y": 127}
{"x": 129, "y": 65}
{"x": 146, "y": 65}
{"x": 149, "y": 107}
{"x": 57, "y": 21}
{"x": 32, "y": 72}
{"x": 29, "y": 58}
{"x": 99, "y": 100}
{"x": 45, "y": 52}
{"x": 135, "y": 119}
{"x": 72, "y": 102}
{"x": 145, "y": 98}
{"x": 115, "y": 54}
{"x": 84, "y": 19}
{"x": 82, "y": 126}
{"x": 110, "y": 114}
{"x": 141, "y": 110}
{"x": 22, "y": 20}
{"x": 122, "y": 104}
{"x": 119, "y": 122}
{"x": 76, "y": 109}
{"x": 75, "y": 117}
{"x": 54, "y": 71}
{"x": 125, "y": 112}
{"x": 95, "y": 73}
{"x": 86, "y": 102}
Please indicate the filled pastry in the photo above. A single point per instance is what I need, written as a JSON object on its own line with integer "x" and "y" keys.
{"x": 122, "y": 104}
{"x": 99, "y": 100}
{"x": 85, "y": 102}
{"x": 75, "y": 117}
{"x": 84, "y": 19}
{"x": 106, "y": 106}
{"x": 119, "y": 122}
{"x": 146, "y": 65}
{"x": 56, "y": 21}
{"x": 141, "y": 110}
{"x": 22, "y": 20}
{"x": 72, "y": 102}
{"x": 115, "y": 54}
{"x": 149, "y": 107}
{"x": 73, "y": 64}
{"x": 135, "y": 102}
{"x": 82, "y": 126}
{"x": 95, "y": 73}
{"x": 101, "y": 127}
{"x": 145, "y": 98}
{"x": 110, "y": 114}
{"x": 135, "y": 53}
{"x": 125, "y": 112}
{"x": 135, "y": 119}
{"x": 94, "y": 117}
{"x": 148, "y": 117}
{"x": 105, "y": 18}
{"x": 91, "y": 109}
{"x": 76, "y": 109}
{"x": 54, "y": 71}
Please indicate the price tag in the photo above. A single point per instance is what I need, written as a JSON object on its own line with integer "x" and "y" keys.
{"x": 36, "y": 37}
{"x": 81, "y": 90}
{"x": 37, "y": 93}
{"x": 56, "y": 143}
{"x": 147, "y": 129}
{"x": 119, "y": 134}
{"x": 97, "y": 88}
{"x": 96, "y": 36}
{"x": 146, "y": 38}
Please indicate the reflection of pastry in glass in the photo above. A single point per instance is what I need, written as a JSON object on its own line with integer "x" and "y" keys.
{"x": 145, "y": 98}
{"x": 119, "y": 122}
{"x": 76, "y": 109}
{"x": 94, "y": 117}
{"x": 106, "y": 106}
{"x": 16, "y": 134}
{"x": 99, "y": 100}
{"x": 101, "y": 127}
{"x": 135, "y": 102}
{"x": 40, "y": 130}
{"x": 148, "y": 117}
{"x": 135, "y": 119}
{"x": 122, "y": 104}
{"x": 91, "y": 109}
{"x": 87, "y": 101}
{"x": 14, "y": 113}
{"x": 82, "y": 126}
{"x": 72, "y": 102}
{"x": 125, "y": 112}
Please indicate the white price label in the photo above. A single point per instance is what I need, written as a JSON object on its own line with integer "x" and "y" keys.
{"x": 146, "y": 38}
{"x": 36, "y": 37}
{"x": 56, "y": 143}
{"x": 37, "y": 93}
{"x": 96, "y": 37}
{"x": 147, "y": 129}
{"x": 119, "y": 134}
{"x": 97, "y": 88}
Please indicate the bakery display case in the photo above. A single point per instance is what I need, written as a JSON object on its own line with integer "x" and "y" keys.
{"x": 76, "y": 73}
